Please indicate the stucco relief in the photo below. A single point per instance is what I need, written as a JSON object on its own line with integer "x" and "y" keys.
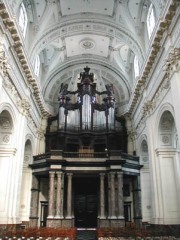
{"x": 24, "y": 105}
{"x": 150, "y": 105}
{"x": 40, "y": 133}
{"x": 6, "y": 138}
{"x": 166, "y": 139}
{"x": 4, "y": 66}
{"x": 173, "y": 61}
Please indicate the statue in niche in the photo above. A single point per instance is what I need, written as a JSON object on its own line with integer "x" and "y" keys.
{"x": 144, "y": 146}
{"x": 62, "y": 93}
{"x": 5, "y": 123}
{"x": 63, "y": 89}
{"x": 110, "y": 90}
{"x": 167, "y": 121}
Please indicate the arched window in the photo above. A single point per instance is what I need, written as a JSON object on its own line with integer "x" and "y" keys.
{"x": 136, "y": 67}
{"x": 23, "y": 19}
{"x": 150, "y": 20}
{"x": 37, "y": 65}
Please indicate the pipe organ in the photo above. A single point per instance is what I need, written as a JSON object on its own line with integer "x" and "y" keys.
{"x": 86, "y": 113}
{"x": 86, "y": 119}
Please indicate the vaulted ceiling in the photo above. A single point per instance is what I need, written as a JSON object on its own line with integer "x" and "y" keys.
{"x": 104, "y": 35}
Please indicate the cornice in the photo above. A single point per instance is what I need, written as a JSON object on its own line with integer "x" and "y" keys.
{"x": 18, "y": 47}
{"x": 156, "y": 46}
{"x": 23, "y": 104}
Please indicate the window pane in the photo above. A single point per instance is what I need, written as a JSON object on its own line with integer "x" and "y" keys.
{"x": 150, "y": 20}
{"x": 23, "y": 19}
{"x": 36, "y": 66}
{"x": 136, "y": 67}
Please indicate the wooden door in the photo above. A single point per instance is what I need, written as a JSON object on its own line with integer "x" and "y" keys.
{"x": 85, "y": 204}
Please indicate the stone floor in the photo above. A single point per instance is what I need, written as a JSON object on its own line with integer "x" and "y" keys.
{"x": 84, "y": 234}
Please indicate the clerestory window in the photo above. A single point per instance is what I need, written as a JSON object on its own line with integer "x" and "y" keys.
{"x": 136, "y": 67}
{"x": 151, "y": 20}
{"x": 23, "y": 20}
{"x": 37, "y": 65}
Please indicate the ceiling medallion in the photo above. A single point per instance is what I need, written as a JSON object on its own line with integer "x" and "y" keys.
{"x": 87, "y": 44}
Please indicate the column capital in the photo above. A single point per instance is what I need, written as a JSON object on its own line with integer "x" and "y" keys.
{"x": 119, "y": 174}
{"x": 112, "y": 174}
{"x": 52, "y": 173}
{"x": 59, "y": 174}
{"x": 69, "y": 174}
{"x": 102, "y": 174}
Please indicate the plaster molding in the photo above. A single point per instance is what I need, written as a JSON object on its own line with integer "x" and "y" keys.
{"x": 132, "y": 134}
{"x": 156, "y": 47}
{"x": 22, "y": 104}
{"x": 24, "y": 61}
{"x": 151, "y": 105}
{"x": 40, "y": 133}
{"x": 172, "y": 63}
{"x": 4, "y": 66}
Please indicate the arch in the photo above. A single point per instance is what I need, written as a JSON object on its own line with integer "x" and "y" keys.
{"x": 143, "y": 149}
{"x": 146, "y": 183}
{"x": 30, "y": 138}
{"x": 167, "y": 130}
{"x": 164, "y": 107}
{"x": 27, "y": 154}
{"x": 122, "y": 88}
{"x": 167, "y": 164}
{"x": 6, "y": 128}
{"x": 26, "y": 181}
{"x": 7, "y": 107}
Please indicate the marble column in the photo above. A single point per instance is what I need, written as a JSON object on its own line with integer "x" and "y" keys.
{"x": 112, "y": 177}
{"x": 51, "y": 194}
{"x": 102, "y": 196}
{"x": 109, "y": 195}
{"x": 62, "y": 198}
{"x": 58, "y": 194}
{"x": 137, "y": 201}
{"x": 34, "y": 202}
{"x": 69, "y": 196}
{"x": 120, "y": 195}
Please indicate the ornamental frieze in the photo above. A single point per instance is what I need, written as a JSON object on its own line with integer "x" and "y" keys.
{"x": 172, "y": 63}
{"x": 4, "y": 66}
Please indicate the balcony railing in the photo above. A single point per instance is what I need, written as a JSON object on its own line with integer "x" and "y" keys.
{"x": 85, "y": 155}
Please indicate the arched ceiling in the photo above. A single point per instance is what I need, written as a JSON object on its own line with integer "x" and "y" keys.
{"x": 71, "y": 34}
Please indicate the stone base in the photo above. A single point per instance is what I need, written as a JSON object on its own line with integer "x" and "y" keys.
{"x": 113, "y": 223}
{"x": 33, "y": 222}
{"x": 168, "y": 230}
{"x": 12, "y": 227}
{"x": 59, "y": 223}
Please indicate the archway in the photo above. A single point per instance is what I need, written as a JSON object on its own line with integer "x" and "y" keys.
{"x": 6, "y": 165}
{"x": 146, "y": 195}
{"x": 26, "y": 183}
{"x": 168, "y": 169}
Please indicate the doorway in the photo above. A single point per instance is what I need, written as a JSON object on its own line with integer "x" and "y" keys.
{"x": 85, "y": 202}
{"x": 44, "y": 213}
